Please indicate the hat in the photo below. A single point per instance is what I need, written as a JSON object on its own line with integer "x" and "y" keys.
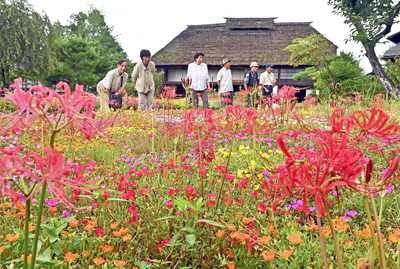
{"x": 224, "y": 61}
{"x": 254, "y": 64}
{"x": 269, "y": 65}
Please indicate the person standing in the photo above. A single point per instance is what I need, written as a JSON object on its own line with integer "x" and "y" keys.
{"x": 198, "y": 72}
{"x": 267, "y": 81}
{"x": 250, "y": 81}
{"x": 143, "y": 77}
{"x": 225, "y": 85}
{"x": 110, "y": 85}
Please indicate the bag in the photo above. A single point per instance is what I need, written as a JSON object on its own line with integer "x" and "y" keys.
{"x": 115, "y": 100}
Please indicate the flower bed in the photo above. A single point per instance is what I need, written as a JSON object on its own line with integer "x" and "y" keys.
{"x": 292, "y": 186}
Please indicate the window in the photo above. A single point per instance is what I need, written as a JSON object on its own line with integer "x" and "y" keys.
{"x": 176, "y": 74}
{"x": 288, "y": 73}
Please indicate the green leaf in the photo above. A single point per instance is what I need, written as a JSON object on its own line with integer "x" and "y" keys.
{"x": 48, "y": 226}
{"x": 60, "y": 228}
{"x": 173, "y": 240}
{"x": 187, "y": 229}
{"x": 45, "y": 256}
{"x": 211, "y": 222}
{"x": 117, "y": 199}
{"x": 168, "y": 217}
{"x": 142, "y": 265}
{"x": 65, "y": 220}
{"x": 186, "y": 203}
{"x": 191, "y": 239}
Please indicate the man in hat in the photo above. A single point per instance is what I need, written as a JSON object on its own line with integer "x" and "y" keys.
{"x": 225, "y": 86}
{"x": 267, "y": 81}
{"x": 251, "y": 84}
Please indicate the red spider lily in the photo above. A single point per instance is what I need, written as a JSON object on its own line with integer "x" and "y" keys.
{"x": 374, "y": 124}
{"x": 316, "y": 175}
{"x": 71, "y": 108}
{"x": 197, "y": 117}
{"x": 30, "y": 108}
{"x": 186, "y": 83}
{"x": 169, "y": 92}
{"x": 54, "y": 172}
{"x": 235, "y": 114}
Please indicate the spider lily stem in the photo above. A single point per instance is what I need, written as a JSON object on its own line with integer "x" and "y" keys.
{"x": 378, "y": 230}
{"x": 321, "y": 239}
{"x": 335, "y": 237}
{"x": 371, "y": 226}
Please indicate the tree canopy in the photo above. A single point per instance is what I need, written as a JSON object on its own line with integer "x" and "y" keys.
{"x": 370, "y": 21}
{"x": 27, "y": 41}
{"x": 88, "y": 50}
{"x": 348, "y": 76}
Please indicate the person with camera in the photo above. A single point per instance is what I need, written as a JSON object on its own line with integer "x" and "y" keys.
{"x": 109, "y": 87}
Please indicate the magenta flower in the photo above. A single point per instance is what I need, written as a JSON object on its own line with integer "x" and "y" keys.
{"x": 169, "y": 204}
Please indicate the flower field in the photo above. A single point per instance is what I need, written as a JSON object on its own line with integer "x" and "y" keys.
{"x": 283, "y": 186}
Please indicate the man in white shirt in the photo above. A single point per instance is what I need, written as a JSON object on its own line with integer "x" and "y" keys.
{"x": 267, "y": 81}
{"x": 113, "y": 81}
{"x": 225, "y": 86}
{"x": 198, "y": 72}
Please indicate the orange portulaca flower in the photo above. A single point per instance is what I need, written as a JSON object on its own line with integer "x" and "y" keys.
{"x": 114, "y": 225}
{"x": 230, "y": 227}
{"x": 268, "y": 255}
{"x": 69, "y": 257}
{"x": 126, "y": 238}
{"x": 312, "y": 227}
{"x": 107, "y": 248}
{"x": 286, "y": 253}
{"x": 265, "y": 239}
{"x": 220, "y": 233}
{"x": 119, "y": 263}
{"x": 294, "y": 239}
{"x": 12, "y": 237}
{"x": 230, "y": 254}
{"x": 231, "y": 265}
{"x": 74, "y": 223}
{"x": 29, "y": 258}
{"x": 98, "y": 261}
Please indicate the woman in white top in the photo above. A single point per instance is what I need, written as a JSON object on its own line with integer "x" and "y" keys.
{"x": 198, "y": 72}
{"x": 110, "y": 85}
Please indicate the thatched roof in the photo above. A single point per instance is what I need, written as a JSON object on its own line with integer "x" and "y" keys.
{"x": 242, "y": 40}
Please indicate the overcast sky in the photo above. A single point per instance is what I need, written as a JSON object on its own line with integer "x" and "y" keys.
{"x": 142, "y": 24}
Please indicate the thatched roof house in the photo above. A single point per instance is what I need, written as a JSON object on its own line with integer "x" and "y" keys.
{"x": 242, "y": 40}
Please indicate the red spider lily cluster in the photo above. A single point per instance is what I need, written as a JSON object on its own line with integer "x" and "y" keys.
{"x": 51, "y": 170}
{"x": 314, "y": 174}
{"x": 169, "y": 93}
{"x": 186, "y": 83}
{"x": 68, "y": 109}
{"x": 73, "y": 111}
{"x": 372, "y": 122}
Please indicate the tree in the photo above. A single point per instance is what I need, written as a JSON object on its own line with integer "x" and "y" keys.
{"x": 92, "y": 25}
{"x": 346, "y": 72}
{"x": 311, "y": 50}
{"x": 88, "y": 50}
{"x": 370, "y": 21}
{"x": 79, "y": 58}
{"x": 27, "y": 41}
